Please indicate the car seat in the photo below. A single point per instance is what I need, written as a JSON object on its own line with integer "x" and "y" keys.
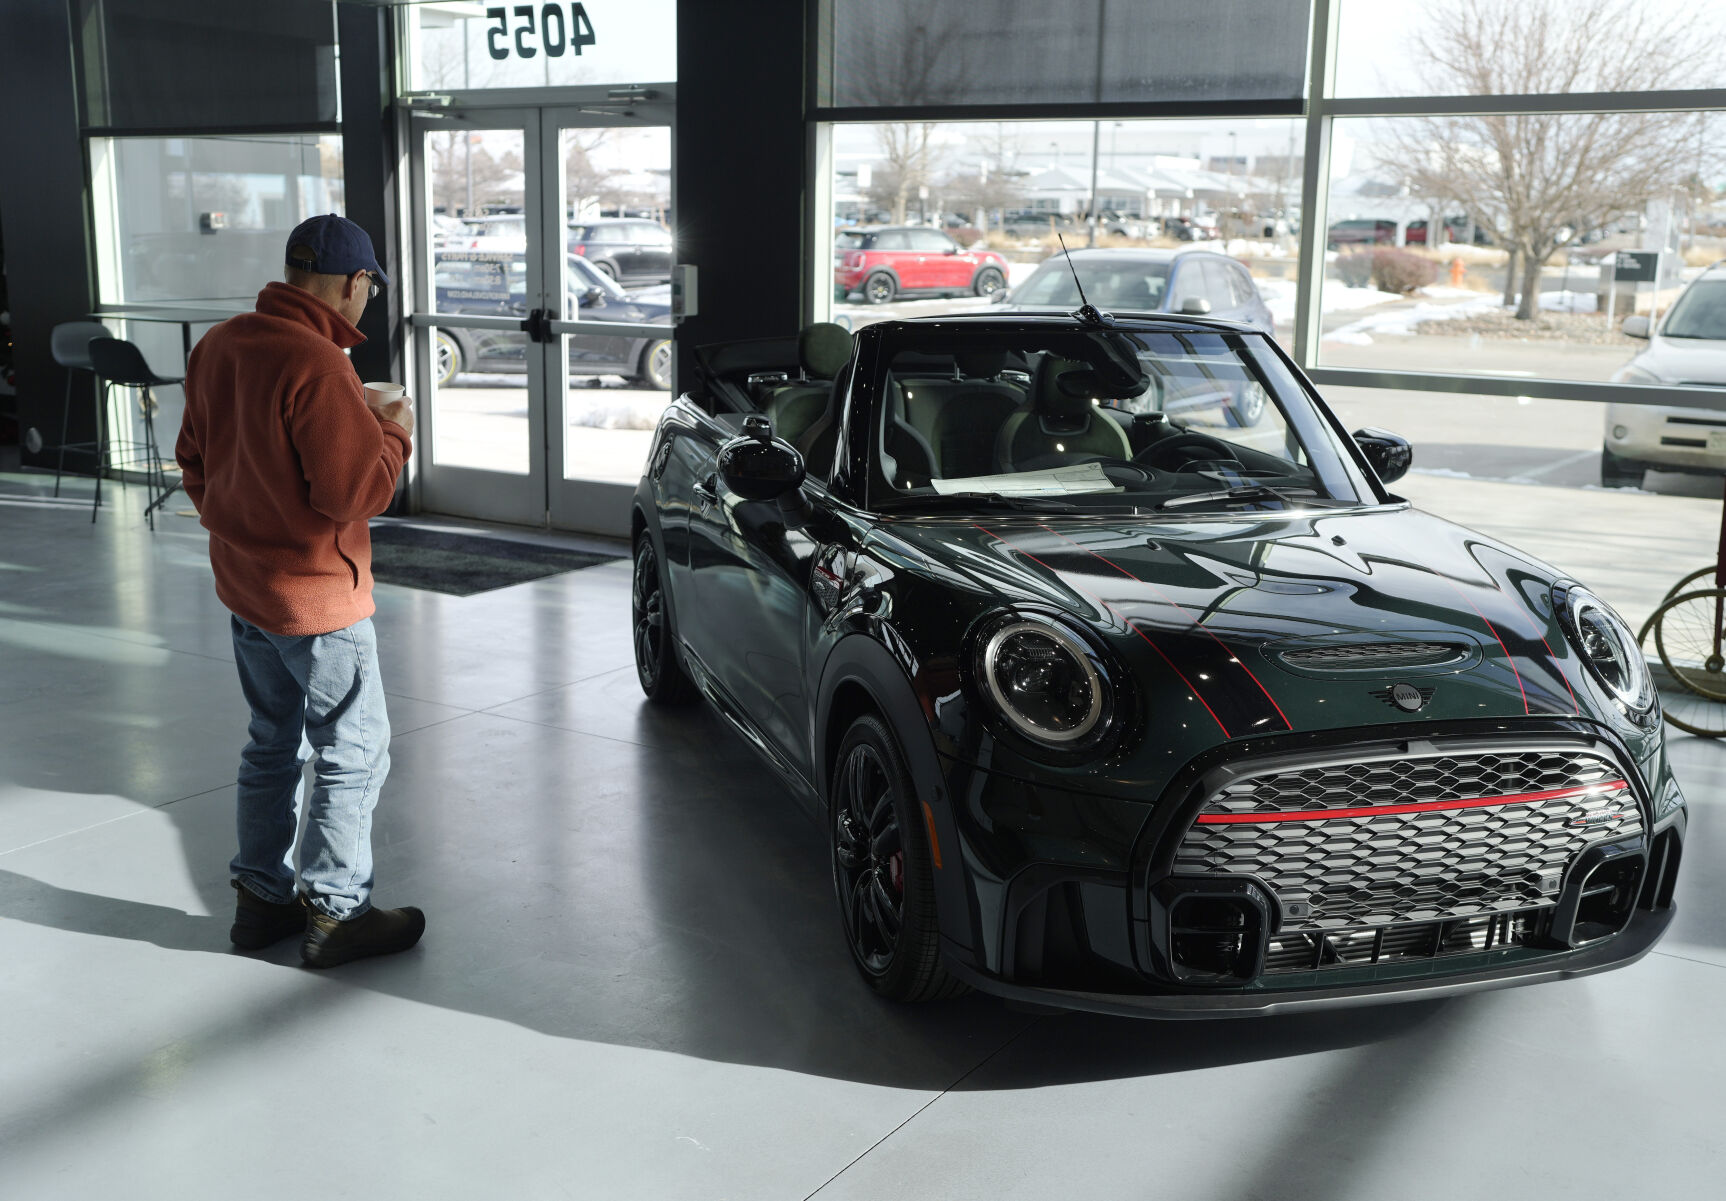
{"x": 971, "y": 417}
{"x": 907, "y": 459}
{"x": 823, "y": 349}
{"x": 1054, "y": 429}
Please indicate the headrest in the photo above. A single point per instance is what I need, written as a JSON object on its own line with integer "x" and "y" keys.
{"x": 824, "y": 349}
{"x": 1053, "y": 403}
{"x": 981, "y": 364}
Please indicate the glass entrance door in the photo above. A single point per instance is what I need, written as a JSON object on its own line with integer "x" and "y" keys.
{"x": 542, "y": 314}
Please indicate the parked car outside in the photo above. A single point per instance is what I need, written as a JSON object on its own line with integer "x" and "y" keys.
{"x": 1188, "y": 281}
{"x": 1361, "y": 232}
{"x": 503, "y": 233}
{"x": 634, "y": 252}
{"x": 884, "y": 263}
{"x": 1688, "y": 350}
{"x": 1132, "y": 711}
{"x": 494, "y": 284}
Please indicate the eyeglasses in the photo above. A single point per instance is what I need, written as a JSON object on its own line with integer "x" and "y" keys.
{"x": 376, "y": 284}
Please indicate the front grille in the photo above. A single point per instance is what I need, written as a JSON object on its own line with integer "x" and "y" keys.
{"x": 1316, "y": 951}
{"x": 1357, "y": 846}
{"x": 1371, "y": 656}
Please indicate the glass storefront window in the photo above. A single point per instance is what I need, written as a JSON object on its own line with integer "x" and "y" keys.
{"x": 198, "y": 219}
{"x": 1491, "y": 245}
{"x": 462, "y": 47}
{"x": 941, "y": 217}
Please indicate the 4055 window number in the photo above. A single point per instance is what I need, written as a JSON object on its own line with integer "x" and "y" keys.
{"x": 547, "y": 21}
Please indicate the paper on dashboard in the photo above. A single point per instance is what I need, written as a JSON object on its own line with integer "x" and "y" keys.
{"x": 1057, "y": 481}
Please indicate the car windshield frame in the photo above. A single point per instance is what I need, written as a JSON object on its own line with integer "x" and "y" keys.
{"x": 1332, "y": 475}
{"x": 1691, "y": 306}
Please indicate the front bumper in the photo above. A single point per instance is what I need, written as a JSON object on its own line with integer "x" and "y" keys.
{"x": 1669, "y": 439}
{"x": 1071, "y": 898}
{"x": 1631, "y": 944}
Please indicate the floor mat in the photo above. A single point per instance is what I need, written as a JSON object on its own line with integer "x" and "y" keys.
{"x": 461, "y": 564}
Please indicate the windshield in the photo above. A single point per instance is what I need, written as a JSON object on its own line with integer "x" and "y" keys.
{"x": 1100, "y": 420}
{"x": 1115, "y": 285}
{"x": 1700, "y": 312}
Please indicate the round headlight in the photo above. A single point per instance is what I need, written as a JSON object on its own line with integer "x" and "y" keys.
{"x": 1606, "y": 644}
{"x": 1044, "y": 681}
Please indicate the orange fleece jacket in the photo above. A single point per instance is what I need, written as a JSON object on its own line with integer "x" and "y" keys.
{"x": 285, "y": 462}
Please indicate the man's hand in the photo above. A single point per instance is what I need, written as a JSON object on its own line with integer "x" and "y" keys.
{"x": 399, "y": 411}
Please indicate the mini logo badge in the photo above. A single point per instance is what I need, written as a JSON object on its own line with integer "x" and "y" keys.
{"x": 1407, "y": 698}
{"x": 1600, "y": 817}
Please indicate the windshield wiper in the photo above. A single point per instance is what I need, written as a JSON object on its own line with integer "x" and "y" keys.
{"x": 1246, "y": 494}
{"x": 975, "y": 500}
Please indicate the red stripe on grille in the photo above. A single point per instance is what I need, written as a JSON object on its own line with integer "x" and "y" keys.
{"x": 1317, "y": 815}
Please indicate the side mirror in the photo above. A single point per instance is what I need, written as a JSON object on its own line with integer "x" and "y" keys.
{"x": 1390, "y": 455}
{"x": 998, "y": 296}
{"x": 1635, "y": 327}
{"x": 592, "y": 297}
{"x": 1195, "y": 306}
{"x": 951, "y": 250}
{"x": 756, "y": 465}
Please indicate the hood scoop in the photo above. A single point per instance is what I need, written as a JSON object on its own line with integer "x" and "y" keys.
{"x": 1377, "y": 656}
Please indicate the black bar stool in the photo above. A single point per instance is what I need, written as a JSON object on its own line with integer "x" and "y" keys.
{"x": 122, "y": 363}
{"x": 69, "y": 342}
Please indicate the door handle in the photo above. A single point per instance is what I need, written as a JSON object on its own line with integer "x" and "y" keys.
{"x": 707, "y": 490}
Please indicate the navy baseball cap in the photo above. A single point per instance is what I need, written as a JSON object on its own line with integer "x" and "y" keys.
{"x": 338, "y": 246}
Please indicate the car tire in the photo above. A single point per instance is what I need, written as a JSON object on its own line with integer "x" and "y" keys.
{"x": 1249, "y": 408}
{"x": 447, "y": 358}
{"x": 662, "y": 677}
{"x": 988, "y": 282}
{"x": 879, "y": 288}
{"x": 653, "y": 368}
{"x": 883, "y": 874}
{"x": 606, "y": 269}
{"x": 1616, "y": 472}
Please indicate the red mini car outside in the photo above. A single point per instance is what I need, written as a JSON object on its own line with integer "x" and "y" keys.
{"x": 884, "y": 262}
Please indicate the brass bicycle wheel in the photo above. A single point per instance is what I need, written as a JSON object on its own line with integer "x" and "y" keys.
{"x": 1701, "y": 578}
{"x": 1690, "y": 638}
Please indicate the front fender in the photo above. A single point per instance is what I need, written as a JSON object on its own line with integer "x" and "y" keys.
{"x": 860, "y": 669}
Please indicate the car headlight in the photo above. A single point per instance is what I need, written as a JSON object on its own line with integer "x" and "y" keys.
{"x": 1633, "y": 374}
{"x": 1044, "y": 681}
{"x": 1607, "y": 646}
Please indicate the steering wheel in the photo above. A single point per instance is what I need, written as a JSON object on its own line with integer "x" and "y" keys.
{"x": 1174, "y": 454}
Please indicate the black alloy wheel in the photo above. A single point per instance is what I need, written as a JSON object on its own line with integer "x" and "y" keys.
{"x": 662, "y": 676}
{"x": 883, "y": 877}
{"x": 988, "y": 282}
{"x": 879, "y": 288}
{"x": 605, "y": 268}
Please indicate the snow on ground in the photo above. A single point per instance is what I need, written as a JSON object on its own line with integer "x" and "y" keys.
{"x": 1402, "y": 320}
{"x": 1569, "y": 302}
{"x": 1279, "y": 295}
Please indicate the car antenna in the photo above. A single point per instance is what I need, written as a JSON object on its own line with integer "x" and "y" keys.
{"x": 1086, "y": 313}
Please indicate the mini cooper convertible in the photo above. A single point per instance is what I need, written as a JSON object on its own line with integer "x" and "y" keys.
{"x": 1109, "y": 699}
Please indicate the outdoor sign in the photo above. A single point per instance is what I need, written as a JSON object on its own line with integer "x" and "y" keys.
{"x": 551, "y": 33}
{"x": 1636, "y": 266}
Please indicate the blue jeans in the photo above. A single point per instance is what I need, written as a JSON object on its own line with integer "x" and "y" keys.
{"x": 319, "y": 693}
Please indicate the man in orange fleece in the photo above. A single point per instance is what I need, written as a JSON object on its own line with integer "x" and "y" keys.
{"x": 286, "y": 458}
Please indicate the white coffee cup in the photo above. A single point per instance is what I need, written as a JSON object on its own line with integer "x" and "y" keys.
{"x": 384, "y": 393}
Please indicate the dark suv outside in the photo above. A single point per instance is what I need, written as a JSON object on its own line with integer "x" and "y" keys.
{"x": 494, "y": 284}
{"x": 883, "y": 262}
{"x": 631, "y": 251}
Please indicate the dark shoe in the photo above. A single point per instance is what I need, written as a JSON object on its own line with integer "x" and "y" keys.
{"x": 258, "y": 923}
{"x": 377, "y": 932}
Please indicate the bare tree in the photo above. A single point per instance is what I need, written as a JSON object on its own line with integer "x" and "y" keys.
{"x": 1537, "y": 181}
{"x": 908, "y": 154}
{"x": 465, "y": 176}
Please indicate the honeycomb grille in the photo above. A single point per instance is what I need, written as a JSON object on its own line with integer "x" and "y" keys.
{"x": 1363, "y": 869}
{"x": 1370, "y": 655}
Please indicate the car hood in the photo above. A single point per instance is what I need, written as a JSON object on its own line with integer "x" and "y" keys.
{"x": 1684, "y": 360}
{"x": 1210, "y": 616}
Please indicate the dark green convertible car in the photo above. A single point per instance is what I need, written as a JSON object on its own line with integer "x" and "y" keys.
{"x": 1110, "y": 699}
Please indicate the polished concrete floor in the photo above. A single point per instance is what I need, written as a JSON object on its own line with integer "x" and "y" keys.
{"x": 632, "y": 984}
